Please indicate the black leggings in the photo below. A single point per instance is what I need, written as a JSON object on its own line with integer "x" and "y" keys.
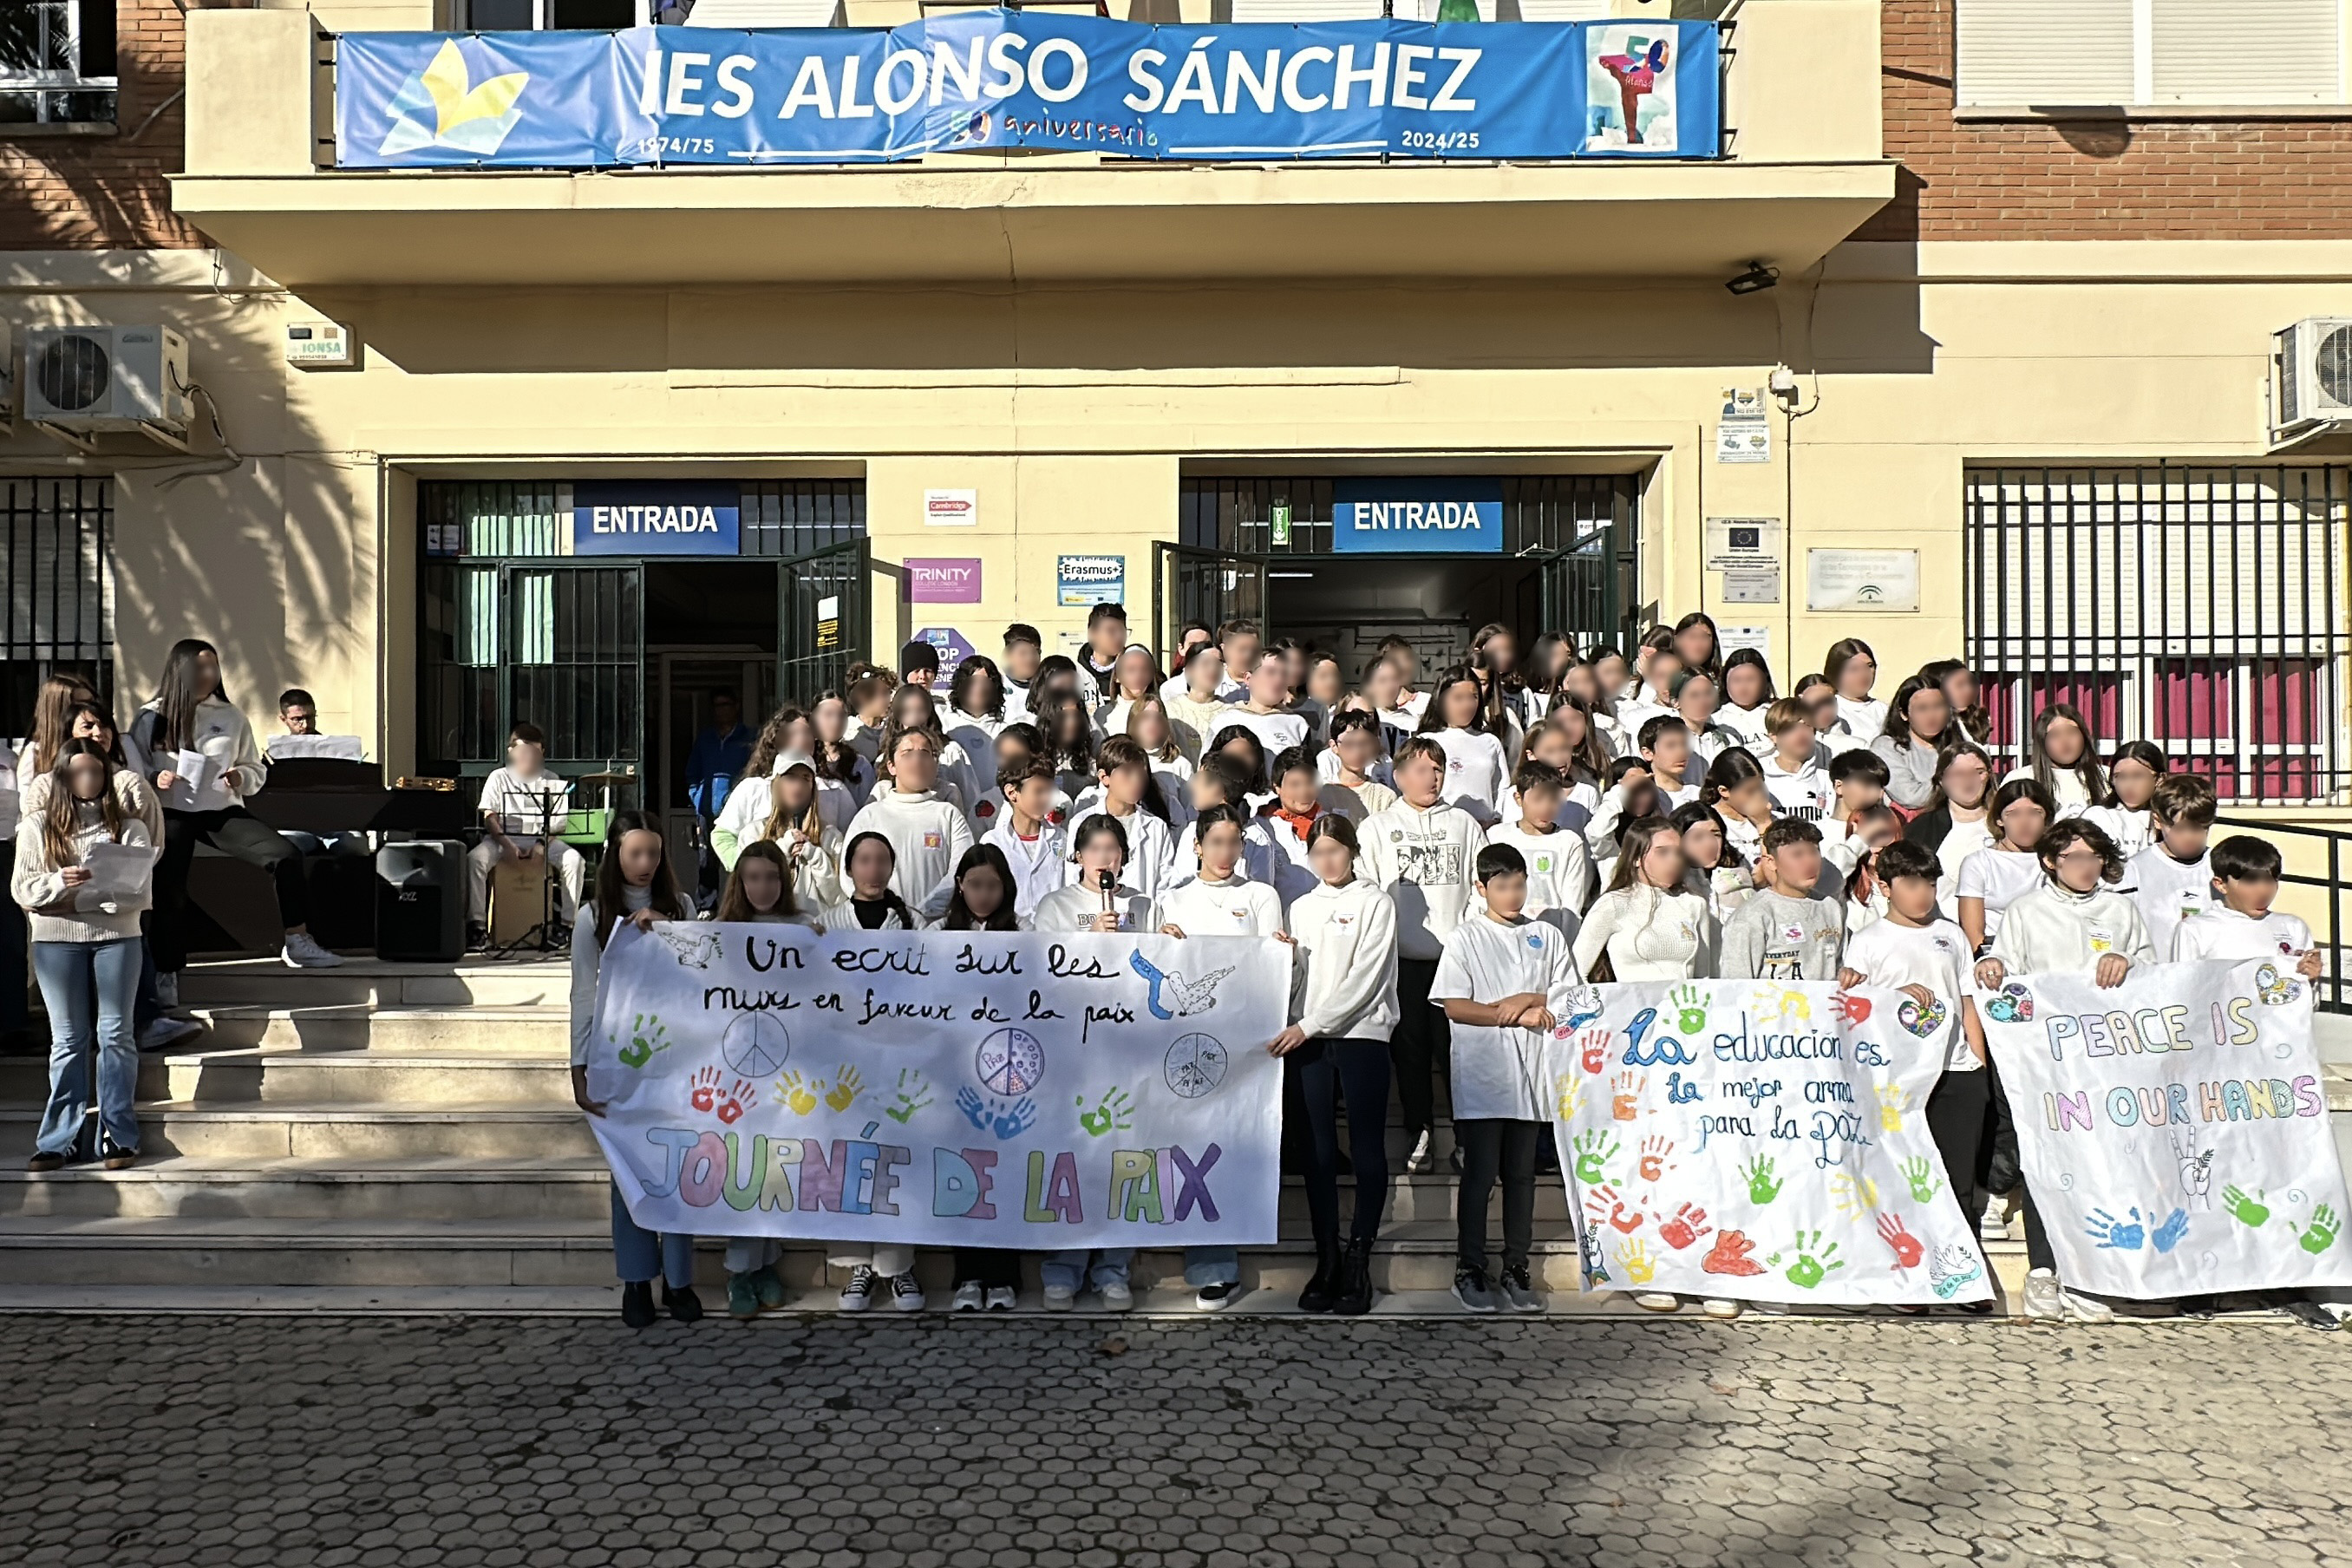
{"x": 1325, "y": 1069}
{"x": 233, "y": 832}
{"x": 1490, "y": 1147}
{"x": 1419, "y": 1045}
{"x": 1969, "y": 1116}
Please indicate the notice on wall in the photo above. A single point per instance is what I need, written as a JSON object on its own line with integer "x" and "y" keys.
{"x": 1761, "y": 1140}
{"x": 1742, "y": 433}
{"x": 1729, "y": 639}
{"x": 1753, "y": 586}
{"x": 942, "y": 580}
{"x": 1082, "y": 582}
{"x": 938, "y": 1088}
{"x": 2174, "y": 1128}
{"x": 950, "y": 508}
{"x": 1884, "y": 580}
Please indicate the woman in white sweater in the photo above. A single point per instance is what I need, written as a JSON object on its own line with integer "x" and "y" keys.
{"x": 634, "y": 886}
{"x": 2074, "y": 923}
{"x": 1648, "y": 925}
{"x": 191, "y": 717}
{"x": 85, "y": 946}
{"x": 927, "y": 834}
{"x": 1337, "y": 1046}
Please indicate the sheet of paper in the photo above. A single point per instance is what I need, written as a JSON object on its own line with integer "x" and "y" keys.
{"x": 116, "y": 871}
{"x": 196, "y": 773}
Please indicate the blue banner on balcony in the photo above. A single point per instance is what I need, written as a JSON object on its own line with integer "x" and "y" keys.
{"x": 1004, "y": 79}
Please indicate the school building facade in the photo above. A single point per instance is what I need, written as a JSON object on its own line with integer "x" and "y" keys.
{"x": 1996, "y": 382}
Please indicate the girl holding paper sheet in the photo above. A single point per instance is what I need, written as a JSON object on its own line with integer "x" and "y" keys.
{"x": 85, "y": 946}
{"x": 198, "y": 751}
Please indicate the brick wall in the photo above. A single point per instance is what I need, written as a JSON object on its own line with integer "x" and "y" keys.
{"x": 76, "y": 192}
{"x": 2289, "y": 179}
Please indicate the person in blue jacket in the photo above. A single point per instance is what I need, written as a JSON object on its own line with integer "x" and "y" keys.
{"x": 717, "y": 759}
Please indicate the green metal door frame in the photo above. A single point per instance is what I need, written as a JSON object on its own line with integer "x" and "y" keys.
{"x": 824, "y": 611}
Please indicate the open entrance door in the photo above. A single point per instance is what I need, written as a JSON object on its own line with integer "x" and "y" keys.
{"x": 1189, "y": 585}
{"x": 574, "y": 661}
{"x": 1590, "y": 591}
{"x": 823, "y": 607}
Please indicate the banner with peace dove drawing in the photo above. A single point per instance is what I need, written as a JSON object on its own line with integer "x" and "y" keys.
{"x": 2174, "y": 1128}
{"x": 1760, "y": 1141}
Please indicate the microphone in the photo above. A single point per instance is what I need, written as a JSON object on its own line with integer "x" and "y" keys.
{"x": 1106, "y": 881}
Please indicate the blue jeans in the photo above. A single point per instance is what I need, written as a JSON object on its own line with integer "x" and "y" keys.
{"x": 1068, "y": 1268}
{"x": 70, "y": 973}
{"x": 639, "y": 1253}
{"x": 1212, "y": 1266}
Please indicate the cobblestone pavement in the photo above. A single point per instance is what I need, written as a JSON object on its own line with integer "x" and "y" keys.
{"x": 273, "y": 1442}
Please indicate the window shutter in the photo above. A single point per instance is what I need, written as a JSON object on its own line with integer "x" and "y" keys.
{"x": 2046, "y": 52}
{"x": 2245, "y": 52}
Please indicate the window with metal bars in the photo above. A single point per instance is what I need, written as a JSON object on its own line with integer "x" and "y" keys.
{"x": 56, "y": 62}
{"x": 506, "y": 518}
{"x": 57, "y": 588}
{"x": 2199, "y": 607}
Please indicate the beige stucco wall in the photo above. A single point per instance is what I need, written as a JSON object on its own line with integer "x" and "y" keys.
{"x": 1072, "y": 412}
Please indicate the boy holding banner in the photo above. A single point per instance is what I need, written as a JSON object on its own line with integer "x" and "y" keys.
{"x": 2074, "y": 923}
{"x": 1494, "y": 980}
{"x": 1784, "y": 933}
{"x": 2241, "y": 923}
{"x": 1919, "y": 953}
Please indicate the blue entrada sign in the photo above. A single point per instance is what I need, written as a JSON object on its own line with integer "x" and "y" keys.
{"x": 1420, "y": 516}
{"x": 655, "y": 517}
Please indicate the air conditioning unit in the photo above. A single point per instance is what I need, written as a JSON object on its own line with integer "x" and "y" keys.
{"x": 2311, "y": 379}
{"x": 86, "y": 381}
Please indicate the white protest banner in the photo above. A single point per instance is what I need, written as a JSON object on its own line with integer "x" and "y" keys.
{"x": 2174, "y": 1128}
{"x": 942, "y": 1088}
{"x": 1763, "y": 1141}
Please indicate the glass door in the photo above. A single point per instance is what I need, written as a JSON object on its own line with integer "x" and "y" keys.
{"x": 574, "y": 661}
{"x": 1189, "y": 585}
{"x": 822, "y": 610}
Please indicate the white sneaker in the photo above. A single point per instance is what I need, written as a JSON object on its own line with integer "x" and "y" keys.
{"x": 167, "y": 1031}
{"x": 1658, "y": 1301}
{"x": 1417, "y": 1162}
{"x": 858, "y": 1294}
{"x": 167, "y": 988}
{"x": 969, "y": 1297}
{"x": 907, "y": 1292}
{"x": 2085, "y": 1308}
{"x": 1003, "y": 1298}
{"x": 1116, "y": 1297}
{"x": 2043, "y": 1301}
{"x": 1720, "y": 1307}
{"x": 1994, "y": 1227}
{"x": 1214, "y": 1297}
{"x": 302, "y": 951}
{"x": 1060, "y": 1298}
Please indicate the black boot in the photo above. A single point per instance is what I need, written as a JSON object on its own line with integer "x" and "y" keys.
{"x": 683, "y": 1303}
{"x": 1354, "y": 1296}
{"x": 637, "y": 1303}
{"x": 1321, "y": 1289}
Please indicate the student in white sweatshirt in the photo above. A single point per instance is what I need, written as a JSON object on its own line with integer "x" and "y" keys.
{"x": 2074, "y": 923}
{"x": 1221, "y": 902}
{"x": 634, "y": 886}
{"x": 927, "y": 833}
{"x": 2062, "y": 757}
{"x": 2172, "y": 880}
{"x": 1795, "y": 774}
{"x": 1665, "y": 743}
{"x": 1648, "y": 925}
{"x": 1266, "y": 714}
{"x": 1343, "y": 1010}
{"x": 1477, "y": 769}
{"x": 1424, "y": 853}
{"x": 191, "y": 713}
{"x": 1099, "y": 896}
{"x": 2241, "y": 924}
{"x": 1034, "y": 845}
{"x": 1748, "y": 696}
{"x": 1123, "y": 775}
{"x": 1560, "y": 865}
{"x": 2009, "y": 867}
{"x": 2125, "y": 817}
{"x": 1852, "y": 669}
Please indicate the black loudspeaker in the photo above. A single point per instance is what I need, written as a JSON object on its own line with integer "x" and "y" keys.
{"x": 420, "y": 901}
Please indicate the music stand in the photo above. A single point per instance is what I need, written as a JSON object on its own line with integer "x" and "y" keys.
{"x": 541, "y": 937}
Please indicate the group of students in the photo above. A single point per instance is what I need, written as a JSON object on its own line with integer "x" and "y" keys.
{"x": 1439, "y": 861}
{"x": 107, "y": 951}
